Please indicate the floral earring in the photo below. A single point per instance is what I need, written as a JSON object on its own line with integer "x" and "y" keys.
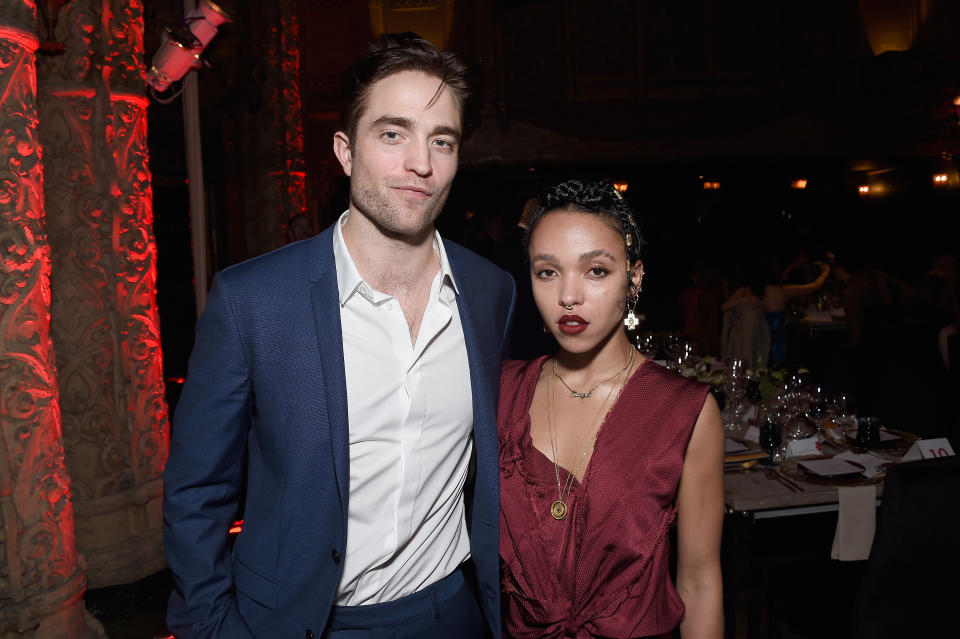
{"x": 631, "y": 321}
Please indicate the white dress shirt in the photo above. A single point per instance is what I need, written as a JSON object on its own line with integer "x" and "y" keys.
{"x": 411, "y": 417}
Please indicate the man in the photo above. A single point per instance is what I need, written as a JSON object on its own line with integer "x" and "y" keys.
{"x": 357, "y": 372}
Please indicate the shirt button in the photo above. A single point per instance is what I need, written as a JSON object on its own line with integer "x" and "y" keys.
{"x": 389, "y": 307}
{"x": 335, "y": 554}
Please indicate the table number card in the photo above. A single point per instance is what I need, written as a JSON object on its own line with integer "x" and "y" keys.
{"x": 929, "y": 449}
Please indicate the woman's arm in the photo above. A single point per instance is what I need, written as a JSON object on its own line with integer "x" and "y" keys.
{"x": 699, "y": 524}
{"x": 796, "y": 290}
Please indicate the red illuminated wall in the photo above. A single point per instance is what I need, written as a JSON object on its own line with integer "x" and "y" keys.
{"x": 41, "y": 579}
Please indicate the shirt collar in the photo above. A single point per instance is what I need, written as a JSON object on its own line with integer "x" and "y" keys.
{"x": 349, "y": 280}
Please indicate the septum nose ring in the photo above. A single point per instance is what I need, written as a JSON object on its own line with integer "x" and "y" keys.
{"x": 569, "y": 308}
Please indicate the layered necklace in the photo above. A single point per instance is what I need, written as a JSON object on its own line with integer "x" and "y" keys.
{"x": 558, "y": 509}
{"x": 589, "y": 393}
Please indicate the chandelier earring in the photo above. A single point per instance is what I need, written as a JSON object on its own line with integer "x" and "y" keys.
{"x": 631, "y": 321}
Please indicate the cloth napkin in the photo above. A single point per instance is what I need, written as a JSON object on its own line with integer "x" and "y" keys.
{"x": 856, "y": 523}
{"x": 804, "y": 447}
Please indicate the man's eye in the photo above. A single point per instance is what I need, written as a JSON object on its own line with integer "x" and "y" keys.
{"x": 598, "y": 271}
{"x": 444, "y": 144}
{"x": 391, "y": 135}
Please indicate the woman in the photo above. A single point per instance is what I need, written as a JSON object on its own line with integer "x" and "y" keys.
{"x": 601, "y": 449}
{"x": 766, "y": 292}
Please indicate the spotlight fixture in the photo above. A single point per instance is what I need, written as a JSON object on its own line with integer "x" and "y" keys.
{"x": 863, "y": 189}
{"x": 711, "y": 186}
{"x": 181, "y": 46}
{"x": 941, "y": 179}
{"x": 798, "y": 184}
{"x": 621, "y": 187}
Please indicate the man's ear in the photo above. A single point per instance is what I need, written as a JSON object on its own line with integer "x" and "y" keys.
{"x": 341, "y": 149}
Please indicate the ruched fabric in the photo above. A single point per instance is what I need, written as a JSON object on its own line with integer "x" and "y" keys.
{"x": 604, "y": 570}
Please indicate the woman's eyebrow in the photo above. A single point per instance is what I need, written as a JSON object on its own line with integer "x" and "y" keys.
{"x": 595, "y": 253}
{"x": 543, "y": 257}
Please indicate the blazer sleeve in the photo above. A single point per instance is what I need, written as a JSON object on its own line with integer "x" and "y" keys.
{"x": 203, "y": 476}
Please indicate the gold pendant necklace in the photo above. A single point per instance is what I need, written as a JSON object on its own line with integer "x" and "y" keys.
{"x": 558, "y": 509}
{"x": 589, "y": 393}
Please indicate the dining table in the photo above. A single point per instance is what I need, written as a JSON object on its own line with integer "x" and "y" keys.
{"x": 791, "y": 537}
{"x": 759, "y": 489}
{"x": 815, "y": 321}
{"x": 785, "y": 530}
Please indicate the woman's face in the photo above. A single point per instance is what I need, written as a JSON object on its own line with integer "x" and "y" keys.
{"x": 578, "y": 267}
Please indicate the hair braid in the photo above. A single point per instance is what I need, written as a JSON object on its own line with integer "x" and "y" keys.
{"x": 598, "y": 198}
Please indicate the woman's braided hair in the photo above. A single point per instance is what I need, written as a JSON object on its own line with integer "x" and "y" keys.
{"x": 597, "y": 198}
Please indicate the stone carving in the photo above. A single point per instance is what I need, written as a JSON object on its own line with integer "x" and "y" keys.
{"x": 281, "y": 190}
{"x": 41, "y": 577}
{"x": 105, "y": 325}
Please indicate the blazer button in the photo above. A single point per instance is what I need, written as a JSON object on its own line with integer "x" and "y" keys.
{"x": 335, "y": 554}
{"x": 309, "y": 635}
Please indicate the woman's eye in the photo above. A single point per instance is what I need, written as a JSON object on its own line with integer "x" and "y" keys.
{"x": 545, "y": 273}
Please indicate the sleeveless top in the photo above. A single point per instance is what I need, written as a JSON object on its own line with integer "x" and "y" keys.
{"x": 604, "y": 570}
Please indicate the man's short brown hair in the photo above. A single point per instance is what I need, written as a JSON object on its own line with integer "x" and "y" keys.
{"x": 393, "y": 53}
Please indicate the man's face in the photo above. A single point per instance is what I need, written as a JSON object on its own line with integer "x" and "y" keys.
{"x": 404, "y": 155}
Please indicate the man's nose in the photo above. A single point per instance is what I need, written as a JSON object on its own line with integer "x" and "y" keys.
{"x": 418, "y": 158}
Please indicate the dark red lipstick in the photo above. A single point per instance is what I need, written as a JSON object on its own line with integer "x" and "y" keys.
{"x": 572, "y": 324}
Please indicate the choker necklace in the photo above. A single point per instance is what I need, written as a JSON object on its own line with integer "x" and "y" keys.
{"x": 558, "y": 509}
{"x": 589, "y": 393}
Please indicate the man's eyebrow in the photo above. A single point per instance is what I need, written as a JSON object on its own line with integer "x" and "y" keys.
{"x": 395, "y": 120}
{"x": 445, "y": 130}
{"x": 410, "y": 125}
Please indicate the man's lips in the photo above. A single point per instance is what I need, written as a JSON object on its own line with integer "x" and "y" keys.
{"x": 413, "y": 191}
{"x": 572, "y": 324}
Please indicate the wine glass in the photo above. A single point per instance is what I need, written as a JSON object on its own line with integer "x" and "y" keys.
{"x": 771, "y": 435}
{"x": 647, "y": 344}
{"x": 816, "y": 406}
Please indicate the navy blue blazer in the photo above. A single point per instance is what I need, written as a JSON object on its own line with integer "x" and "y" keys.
{"x": 264, "y": 413}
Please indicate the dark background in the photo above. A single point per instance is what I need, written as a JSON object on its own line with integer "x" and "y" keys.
{"x": 665, "y": 96}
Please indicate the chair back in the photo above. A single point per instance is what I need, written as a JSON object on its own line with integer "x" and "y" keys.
{"x": 910, "y": 586}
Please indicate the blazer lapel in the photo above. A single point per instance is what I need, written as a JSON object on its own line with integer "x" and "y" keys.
{"x": 325, "y": 299}
{"x": 478, "y": 377}
{"x": 484, "y": 417}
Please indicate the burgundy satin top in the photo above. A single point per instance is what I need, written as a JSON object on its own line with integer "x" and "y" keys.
{"x": 604, "y": 570}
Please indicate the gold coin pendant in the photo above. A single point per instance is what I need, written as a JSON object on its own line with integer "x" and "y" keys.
{"x": 558, "y": 509}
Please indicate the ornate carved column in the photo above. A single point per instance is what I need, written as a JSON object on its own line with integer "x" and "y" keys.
{"x": 41, "y": 576}
{"x": 105, "y": 326}
{"x": 280, "y": 187}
